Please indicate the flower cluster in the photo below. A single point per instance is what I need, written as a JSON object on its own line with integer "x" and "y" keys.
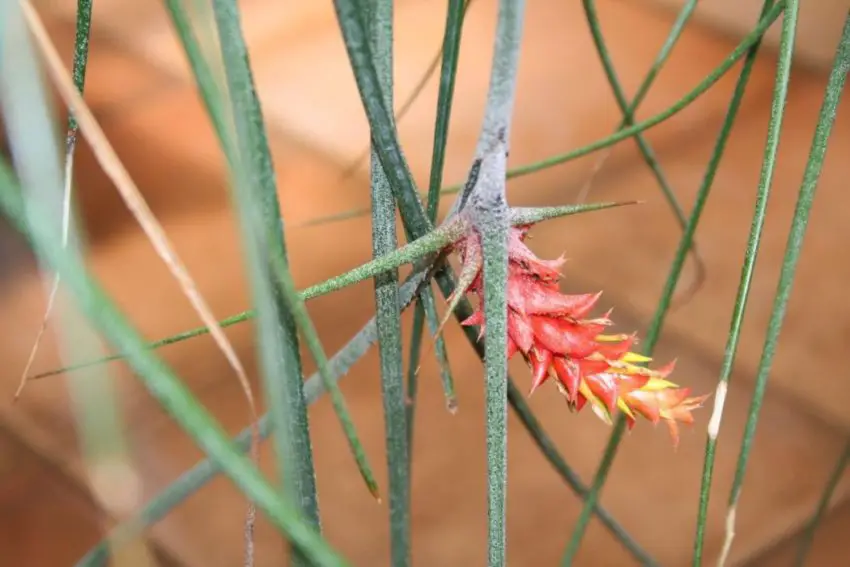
{"x": 553, "y": 333}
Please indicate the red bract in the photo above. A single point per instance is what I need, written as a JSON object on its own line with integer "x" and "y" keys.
{"x": 555, "y": 336}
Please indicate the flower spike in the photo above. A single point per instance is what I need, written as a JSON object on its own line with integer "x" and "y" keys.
{"x": 555, "y": 335}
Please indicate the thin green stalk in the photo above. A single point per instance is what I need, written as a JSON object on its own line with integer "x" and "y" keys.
{"x": 652, "y": 337}
{"x": 383, "y": 130}
{"x": 834, "y": 89}
{"x": 426, "y": 308}
{"x": 205, "y": 80}
{"x": 445, "y": 97}
{"x": 270, "y": 239}
{"x": 387, "y": 315}
{"x": 485, "y": 204}
{"x": 455, "y": 16}
{"x": 823, "y": 505}
{"x": 411, "y": 98}
{"x": 702, "y": 196}
{"x": 165, "y": 386}
{"x": 317, "y": 351}
{"x": 494, "y": 244}
{"x": 440, "y": 351}
{"x": 412, "y": 389}
{"x": 82, "y": 33}
{"x": 255, "y": 194}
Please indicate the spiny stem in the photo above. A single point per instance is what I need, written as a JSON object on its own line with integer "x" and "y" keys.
{"x": 485, "y": 204}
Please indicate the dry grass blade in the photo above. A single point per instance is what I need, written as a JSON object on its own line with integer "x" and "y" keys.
{"x": 117, "y": 173}
{"x": 51, "y": 298}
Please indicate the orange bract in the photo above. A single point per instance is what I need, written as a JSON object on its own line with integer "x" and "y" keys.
{"x": 554, "y": 334}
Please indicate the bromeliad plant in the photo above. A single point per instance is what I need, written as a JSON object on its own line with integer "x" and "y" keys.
{"x": 565, "y": 339}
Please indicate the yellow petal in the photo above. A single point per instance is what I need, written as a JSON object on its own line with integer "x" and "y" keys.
{"x": 624, "y": 407}
{"x": 611, "y": 338}
{"x": 658, "y": 384}
{"x": 602, "y": 413}
{"x": 595, "y": 403}
{"x": 635, "y": 357}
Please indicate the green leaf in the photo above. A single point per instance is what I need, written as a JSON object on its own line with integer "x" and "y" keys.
{"x": 426, "y": 308}
{"x": 383, "y": 131}
{"x": 678, "y": 262}
{"x": 412, "y": 97}
{"x": 426, "y": 299}
{"x": 811, "y": 175}
{"x": 82, "y": 33}
{"x": 384, "y": 241}
{"x": 255, "y": 196}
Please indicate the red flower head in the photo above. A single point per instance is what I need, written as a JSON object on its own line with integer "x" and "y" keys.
{"x": 554, "y": 334}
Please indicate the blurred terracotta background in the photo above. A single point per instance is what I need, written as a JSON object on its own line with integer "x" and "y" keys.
{"x": 141, "y": 92}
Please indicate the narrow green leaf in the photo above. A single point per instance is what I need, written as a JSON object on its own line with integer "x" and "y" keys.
{"x": 426, "y": 309}
{"x": 412, "y": 390}
{"x": 314, "y": 345}
{"x": 383, "y": 131}
{"x": 211, "y": 91}
{"x": 440, "y": 350}
{"x": 387, "y": 315}
{"x": 82, "y": 33}
{"x": 834, "y": 90}
{"x": 255, "y": 194}
{"x": 411, "y": 98}
{"x": 699, "y": 204}
{"x": 445, "y": 96}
